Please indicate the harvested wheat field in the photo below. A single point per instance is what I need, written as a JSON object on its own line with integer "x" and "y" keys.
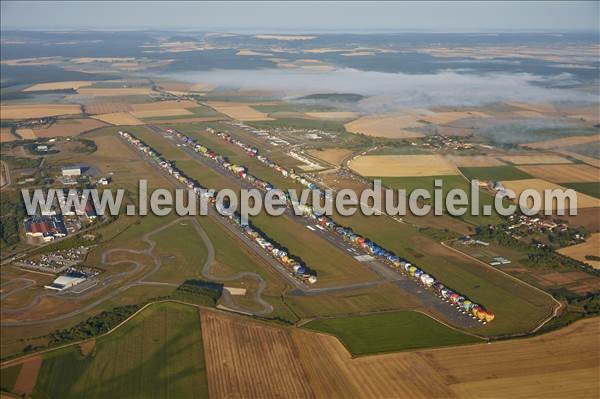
{"x": 334, "y": 115}
{"x": 533, "y": 159}
{"x": 68, "y": 127}
{"x": 246, "y": 359}
{"x": 250, "y": 359}
{"x": 26, "y": 134}
{"x": 334, "y": 156}
{"x": 564, "y": 173}
{"x": 106, "y": 107}
{"x": 563, "y": 142}
{"x": 121, "y": 91}
{"x": 403, "y": 165}
{"x": 119, "y": 118}
{"x": 391, "y": 126}
{"x": 579, "y": 251}
{"x": 72, "y": 84}
{"x": 475, "y": 161}
{"x": 28, "y": 111}
{"x": 6, "y": 135}
{"x": 240, "y": 111}
{"x": 28, "y": 376}
{"x": 539, "y": 185}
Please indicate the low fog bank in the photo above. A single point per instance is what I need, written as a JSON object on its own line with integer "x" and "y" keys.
{"x": 399, "y": 90}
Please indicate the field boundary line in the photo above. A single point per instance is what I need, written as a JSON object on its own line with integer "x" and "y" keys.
{"x": 554, "y": 312}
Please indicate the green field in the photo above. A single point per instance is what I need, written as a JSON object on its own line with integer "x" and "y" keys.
{"x": 390, "y": 332}
{"x": 8, "y": 377}
{"x": 181, "y": 251}
{"x": 495, "y": 173}
{"x": 158, "y": 353}
{"x": 592, "y": 189}
{"x": 448, "y": 183}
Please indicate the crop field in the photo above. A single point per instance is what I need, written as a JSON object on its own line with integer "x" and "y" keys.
{"x": 28, "y": 111}
{"x": 402, "y": 165}
{"x": 157, "y": 353}
{"x": 390, "y": 332}
{"x": 322, "y": 367}
{"x": 68, "y": 127}
{"x": 102, "y": 106}
{"x": 334, "y": 156}
{"x": 539, "y": 185}
{"x": 246, "y": 359}
{"x": 444, "y": 118}
{"x": 240, "y": 111}
{"x": 119, "y": 119}
{"x": 495, "y": 173}
{"x": 564, "y": 173}
{"x": 590, "y": 247}
{"x": 563, "y": 142}
{"x": 335, "y": 115}
{"x": 592, "y": 188}
{"x": 388, "y": 126}
{"x": 74, "y": 84}
{"x": 533, "y": 159}
{"x": 6, "y": 135}
{"x": 478, "y": 161}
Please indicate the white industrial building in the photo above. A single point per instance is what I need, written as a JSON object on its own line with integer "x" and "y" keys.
{"x": 66, "y": 281}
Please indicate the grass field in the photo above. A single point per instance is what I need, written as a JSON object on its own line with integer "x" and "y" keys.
{"x": 158, "y": 353}
{"x": 591, "y": 189}
{"x": 240, "y": 111}
{"x": 182, "y": 253}
{"x": 494, "y": 173}
{"x": 390, "y": 332}
{"x": 448, "y": 183}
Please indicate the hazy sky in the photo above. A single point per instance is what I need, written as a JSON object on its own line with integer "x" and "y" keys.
{"x": 273, "y": 16}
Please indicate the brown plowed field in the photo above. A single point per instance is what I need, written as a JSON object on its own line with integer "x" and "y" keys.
{"x": 251, "y": 359}
{"x": 28, "y": 376}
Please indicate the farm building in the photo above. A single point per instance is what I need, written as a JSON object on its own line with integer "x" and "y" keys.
{"x": 71, "y": 171}
{"x": 66, "y": 281}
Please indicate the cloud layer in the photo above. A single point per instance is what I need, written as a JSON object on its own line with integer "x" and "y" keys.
{"x": 399, "y": 90}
